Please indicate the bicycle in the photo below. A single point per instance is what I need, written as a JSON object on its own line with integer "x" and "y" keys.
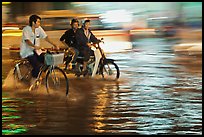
{"x": 97, "y": 64}
{"x": 55, "y": 78}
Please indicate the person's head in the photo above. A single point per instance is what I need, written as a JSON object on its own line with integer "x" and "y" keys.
{"x": 86, "y": 24}
{"x": 34, "y": 20}
{"x": 74, "y": 23}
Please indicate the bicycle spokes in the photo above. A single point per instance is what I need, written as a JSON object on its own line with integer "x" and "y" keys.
{"x": 56, "y": 81}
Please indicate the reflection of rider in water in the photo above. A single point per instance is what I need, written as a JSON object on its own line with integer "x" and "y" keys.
{"x": 69, "y": 40}
{"x": 84, "y": 38}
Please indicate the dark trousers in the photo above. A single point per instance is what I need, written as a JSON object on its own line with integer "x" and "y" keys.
{"x": 86, "y": 52}
{"x": 36, "y": 62}
{"x": 75, "y": 53}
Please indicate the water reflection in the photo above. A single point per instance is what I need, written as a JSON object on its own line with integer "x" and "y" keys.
{"x": 155, "y": 100}
{"x": 147, "y": 112}
{"x": 11, "y": 118}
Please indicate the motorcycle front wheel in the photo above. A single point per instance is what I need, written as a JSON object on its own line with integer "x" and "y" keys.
{"x": 110, "y": 71}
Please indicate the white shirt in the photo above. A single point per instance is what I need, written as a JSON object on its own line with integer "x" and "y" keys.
{"x": 25, "y": 49}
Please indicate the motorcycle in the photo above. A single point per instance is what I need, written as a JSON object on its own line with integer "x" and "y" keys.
{"x": 98, "y": 64}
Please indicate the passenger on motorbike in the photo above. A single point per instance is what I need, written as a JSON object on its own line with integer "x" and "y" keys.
{"x": 84, "y": 37}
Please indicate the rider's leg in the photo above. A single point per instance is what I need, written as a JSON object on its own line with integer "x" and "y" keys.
{"x": 74, "y": 52}
{"x": 86, "y": 52}
{"x": 67, "y": 52}
{"x": 75, "y": 55}
{"x": 41, "y": 59}
{"x": 35, "y": 63}
{"x": 77, "y": 70}
{"x": 84, "y": 66}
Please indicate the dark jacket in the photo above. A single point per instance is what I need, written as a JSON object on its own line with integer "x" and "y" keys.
{"x": 82, "y": 40}
{"x": 70, "y": 38}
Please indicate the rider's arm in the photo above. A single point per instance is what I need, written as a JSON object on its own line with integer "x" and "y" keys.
{"x": 65, "y": 44}
{"x": 63, "y": 39}
{"x": 93, "y": 38}
{"x": 31, "y": 44}
{"x": 45, "y": 36}
{"x": 48, "y": 40}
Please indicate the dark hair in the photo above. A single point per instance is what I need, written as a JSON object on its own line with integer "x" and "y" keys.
{"x": 73, "y": 21}
{"x": 33, "y": 18}
{"x": 86, "y": 21}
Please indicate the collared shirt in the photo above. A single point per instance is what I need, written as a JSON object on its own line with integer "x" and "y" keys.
{"x": 25, "y": 49}
{"x": 87, "y": 34}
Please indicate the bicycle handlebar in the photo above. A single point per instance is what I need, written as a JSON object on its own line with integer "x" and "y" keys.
{"x": 50, "y": 50}
{"x": 53, "y": 51}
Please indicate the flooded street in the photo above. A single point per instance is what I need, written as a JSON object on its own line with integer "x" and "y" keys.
{"x": 159, "y": 92}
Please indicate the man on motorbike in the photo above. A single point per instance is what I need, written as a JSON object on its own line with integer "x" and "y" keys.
{"x": 30, "y": 45}
{"x": 84, "y": 37}
{"x": 69, "y": 40}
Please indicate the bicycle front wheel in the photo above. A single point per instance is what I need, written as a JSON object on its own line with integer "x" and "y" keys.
{"x": 56, "y": 81}
{"x": 110, "y": 71}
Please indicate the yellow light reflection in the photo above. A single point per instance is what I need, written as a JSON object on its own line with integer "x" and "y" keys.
{"x": 98, "y": 111}
{"x": 18, "y": 33}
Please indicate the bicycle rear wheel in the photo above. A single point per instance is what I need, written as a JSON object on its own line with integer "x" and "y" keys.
{"x": 110, "y": 71}
{"x": 22, "y": 72}
{"x": 56, "y": 81}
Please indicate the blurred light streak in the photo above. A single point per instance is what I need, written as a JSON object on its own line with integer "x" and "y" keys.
{"x": 158, "y": 18}
{"x": 12, "y": 34}
{"x": 10, "y": 28}
{"x": 116, "y": 46}
{"x": 6, "y": 3}
{"x": 115, "y": 16}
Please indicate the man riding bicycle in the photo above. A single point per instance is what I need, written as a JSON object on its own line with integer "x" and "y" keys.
{"x": 30, "y": 45}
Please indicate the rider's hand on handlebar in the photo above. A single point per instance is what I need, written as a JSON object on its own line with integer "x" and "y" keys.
{"x": 55, "y": 47}
{"x": 37, "y": 47}
{"x": 89, "y": 44}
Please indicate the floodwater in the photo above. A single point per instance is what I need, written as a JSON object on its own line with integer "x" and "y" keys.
{"x": 159, "y": 92}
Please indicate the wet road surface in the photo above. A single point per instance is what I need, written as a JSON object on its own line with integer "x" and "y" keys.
{"x": 159, "y": 92}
